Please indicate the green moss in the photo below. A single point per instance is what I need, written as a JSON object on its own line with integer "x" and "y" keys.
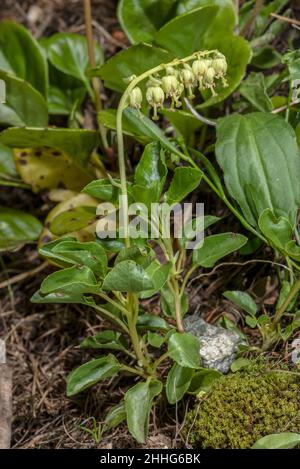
{"x": 243, "y": 407}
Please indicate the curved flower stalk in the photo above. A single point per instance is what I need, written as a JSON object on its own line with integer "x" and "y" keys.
{"x": 202, "y": 69}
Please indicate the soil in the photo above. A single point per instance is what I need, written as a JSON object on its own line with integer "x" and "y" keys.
{"x": 42, "y": 340}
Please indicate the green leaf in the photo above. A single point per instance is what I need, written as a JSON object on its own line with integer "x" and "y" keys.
{"x": 143, "y": 129}
{"x": 140, "y": 21}
{"x": 151, "y": 170}
{"x": 184, "y": 349}
{"x": 78, "y": 144}
{"x": 7, "y": 164}
{"x": 285, "y": 440}
{"x": 240, "y": 363}
{"x": 17, "y": 228}
{"x": 142, "y": 256}
{"x": 127, "y": 276}
{"x": 266, "y": 57}
{"x": 91, "y": 373}
{"x": 193, "y": 224}
{"x": 152, "y": 322}
{"x": 256, "y": 162}
{"x": 115, "y": 416}
{"x": 90, "y": 254}
{"x": 132, "y": 61}
{"x": 159, "y": 275}
{"x": 167, "y": 301}
{"x": 68, "y": 53}
{"x": 103, "y": 189}
{"x": 138, "y": 403}
{"x": 184, "y": 181}
{"x": 60, "y": 297}
{"x": 155, "y": 340}
{"x": 278, "y": 231}
{"x": 178, "y": 382}
{"x": 254, "y": 90}
{"x": 202, "y": 380}
{"x": 21, "y": 55}
{"x": 105, "y": 340}
{"x": 71, "y": 280}
{"x": 188, "y": 32}
{"x": 184, "y": 123}
{"x": 243, "y": 300}
{"x": 73, "y": 219}
{"x": 23, "y": 105}
{"x": 217, "y": 246}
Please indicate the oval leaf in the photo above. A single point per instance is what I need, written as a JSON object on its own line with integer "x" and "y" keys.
{"x": 286, "y": 440}
{"x": 184, "y": 349}
{"x": 178, "y": 382}
{"x": 91, "y": 373}
{"x": 217, "y": 246}
{"x": 258, "y": 153}
{"x": 138, "y": 403}
{"x": 127, "y": 276}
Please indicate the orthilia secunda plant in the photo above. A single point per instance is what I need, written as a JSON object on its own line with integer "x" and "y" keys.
{"x": 202, "y": 69}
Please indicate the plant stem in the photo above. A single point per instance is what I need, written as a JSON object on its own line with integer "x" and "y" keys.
{"x": 92, "y": 61}
{"x": 112, "y": 317}
{"x": 293, "y": 292}
{"x": 134, "y": 371}
{"x": 133, "y": 307}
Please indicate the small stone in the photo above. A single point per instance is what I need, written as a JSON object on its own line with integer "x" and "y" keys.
{"x": 218, "y": 345}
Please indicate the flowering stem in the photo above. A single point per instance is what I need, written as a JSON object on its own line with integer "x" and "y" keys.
{"x": 122, "y": 105}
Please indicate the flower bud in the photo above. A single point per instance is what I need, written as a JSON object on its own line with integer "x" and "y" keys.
{"x": 171, "y": 71}
{"x": 135, "y": 98}
{"x": 199, "y": 68}
{"x": 170, "y": 85}
{"x": 220, "y": 67}
{"x": 155, "y": 97}
{"x": 188, "y": 79}
{"x": 209, "y": 78}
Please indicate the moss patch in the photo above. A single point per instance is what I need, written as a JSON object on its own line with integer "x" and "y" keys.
{"x": 243, "y": 407}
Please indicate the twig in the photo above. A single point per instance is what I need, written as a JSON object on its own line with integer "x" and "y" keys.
{"x": 108, "y": 36}
{"x": 249, "y": 25}
{"x": 284, "y": 18}
{"x": 256, "y": 261}
{"x": 283, "y": 108}
{"x": 95, "y": 81}
{"x": 197, "y": 115}
{"x": 23, "y": 276}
